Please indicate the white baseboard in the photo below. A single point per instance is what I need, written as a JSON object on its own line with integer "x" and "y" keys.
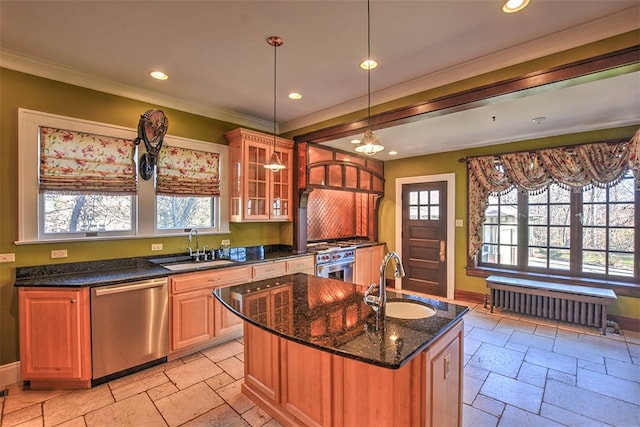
{"x": 9, "y": 374}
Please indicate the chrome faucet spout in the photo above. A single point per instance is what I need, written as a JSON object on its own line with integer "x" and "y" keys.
{"x": 194, "y": 232}
{"x": 398, "y": 272}
{"x": 380, "y": 301}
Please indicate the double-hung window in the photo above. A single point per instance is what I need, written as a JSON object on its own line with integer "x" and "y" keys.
{"x": 79, "y": 179}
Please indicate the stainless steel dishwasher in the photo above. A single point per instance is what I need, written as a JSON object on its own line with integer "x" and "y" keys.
{"x": 129, "y": 326}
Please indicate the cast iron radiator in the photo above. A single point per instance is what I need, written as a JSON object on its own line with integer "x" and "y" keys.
{"x": 566, "y": 303}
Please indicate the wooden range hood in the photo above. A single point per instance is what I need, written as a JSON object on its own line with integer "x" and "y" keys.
{"x": 324, "y": 168}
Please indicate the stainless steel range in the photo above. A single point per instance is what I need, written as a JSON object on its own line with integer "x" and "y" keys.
{"x": 334, "y": 260}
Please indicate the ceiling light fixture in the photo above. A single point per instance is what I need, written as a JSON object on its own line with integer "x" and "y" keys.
{"x": 369, "y": 144}
{"x": 275, "y": 164}
{"x": 159, "y": 75}
{"x": 513, "y": 6}
{"x": 295, "y": 95}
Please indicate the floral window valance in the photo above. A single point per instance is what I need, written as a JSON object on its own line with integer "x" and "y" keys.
{"x": 73, "y": 161}
{"x": 574, "y": 168}
{"x": 187, "y": 172}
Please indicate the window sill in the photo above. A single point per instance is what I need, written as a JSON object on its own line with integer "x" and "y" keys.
{"x": 620, "y": 288}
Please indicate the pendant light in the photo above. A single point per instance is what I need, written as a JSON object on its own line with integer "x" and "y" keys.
{"x": 369, "y": 144}
{"x": 275, "y": 164}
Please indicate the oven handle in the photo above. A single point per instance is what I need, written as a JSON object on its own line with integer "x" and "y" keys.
{"x": 331, "y": 268}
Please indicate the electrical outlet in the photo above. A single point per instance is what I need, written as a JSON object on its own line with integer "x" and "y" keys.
{"x": 225, "y": 242}
{"x": 7, "y": 257}
{"x": 58, "y": 253}
{"x": 459, "y": 223}
{"x": 156, "y": 246}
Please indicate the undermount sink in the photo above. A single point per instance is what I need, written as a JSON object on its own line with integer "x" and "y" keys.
{"x": 408, "y": 310}
{"x": 198, "y": 265}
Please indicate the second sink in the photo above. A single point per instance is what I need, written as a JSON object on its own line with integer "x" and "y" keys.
{"x": 197, "y": 265}
{"x": 408, "y": 310}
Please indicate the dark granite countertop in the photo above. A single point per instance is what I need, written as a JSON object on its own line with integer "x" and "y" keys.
{"x": 114, "y": 271}
{"x": 331, "y": 315}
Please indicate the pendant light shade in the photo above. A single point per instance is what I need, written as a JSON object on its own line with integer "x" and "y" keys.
{"x": 369, "y": 144}
{"x": 274, "y": 163}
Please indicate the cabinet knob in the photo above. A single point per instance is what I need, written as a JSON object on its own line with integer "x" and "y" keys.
{"x": 72, "y": 301}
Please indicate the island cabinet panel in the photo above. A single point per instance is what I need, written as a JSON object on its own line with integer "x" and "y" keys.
{"x": 262, "y": 364}
{"x": 367, "y": 264}
{"x": 306, "y": 379}
{"x": 55, "y": 337}
{"x": 445, "y": 370}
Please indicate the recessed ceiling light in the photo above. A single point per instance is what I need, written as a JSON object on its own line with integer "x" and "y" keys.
{"x": 355, "y": 141}
{"x": 159, "y": 75}
{"x": 393, "y": 153}
{"x": 538, "y": 120}
{"x": 368, "y": 64}
{"x": 295, "y": 95}
{"x": 512, "y": 6}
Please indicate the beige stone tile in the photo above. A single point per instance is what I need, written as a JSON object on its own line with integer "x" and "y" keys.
{"x": 240, "y": 356}
{"x": 162, "y": 390}
{"x": 19, "y": 397}
{"x": 187, "y": 404}
{"x": 256, "y": 417}
{"x": 76, "y": 422}
{"x": 141, "y": 375}
{"x": 274, "y": 423}
{"x": 233, "y": 366}
{"x": 191, "y": 357}
{"x": 139, "y": 386}
{"x": 220, "y": 380}
{"x": 136, "y": 411}
{"x": 195, "y": 371}
{"x": 224, "y": 351}
{"x": 21, "y": 415}
{"x": 223, "y": 415}
{"x": 232, "y": 394}
{"x": 70, "y": 405}
{"x": 35, "y": 422}
{"x": 631, "y": 336}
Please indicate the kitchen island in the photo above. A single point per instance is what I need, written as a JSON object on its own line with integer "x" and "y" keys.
{"x": 316, "y": 354}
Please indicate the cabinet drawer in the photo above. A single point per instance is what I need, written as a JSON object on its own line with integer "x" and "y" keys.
{"x": 211, "y": 279}
{"x": 301, "y": 265}
{"x": 269, "y": 269}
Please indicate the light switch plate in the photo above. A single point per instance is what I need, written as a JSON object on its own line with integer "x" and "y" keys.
{"x": 459, "y": 223}
{"x": 225, "y": 242}
{"x": 156, "y": 246}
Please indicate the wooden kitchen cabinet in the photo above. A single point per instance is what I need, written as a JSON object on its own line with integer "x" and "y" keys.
{"x": 55, "y": 337}
{"x": 197, "y": 319}
{"x": 258, "y": 194}
{"x": 268, "y": 269}
{"x": 303, "y": 264}
{"x": 366, "y": 268}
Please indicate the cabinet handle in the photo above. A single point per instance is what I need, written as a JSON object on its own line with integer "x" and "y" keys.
{"x": 447, "y": 366}
{"x": 213, "y": 279}
{"x": 72, "y": 301}
{"x": 442, "y": 247}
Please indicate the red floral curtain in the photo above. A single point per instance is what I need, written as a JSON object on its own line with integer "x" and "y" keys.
{"x": 575, "y": 168}
{"x": 187, "y": 172}
{"x": 75, "y": 162}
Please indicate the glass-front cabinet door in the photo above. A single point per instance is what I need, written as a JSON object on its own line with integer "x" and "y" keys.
{"x": 258, "y": 194}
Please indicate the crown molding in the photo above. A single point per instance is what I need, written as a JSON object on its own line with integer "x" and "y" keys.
{"x": 54, "y": 71}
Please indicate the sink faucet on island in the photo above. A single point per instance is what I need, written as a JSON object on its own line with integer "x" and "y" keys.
{"x": 379, "y": 303}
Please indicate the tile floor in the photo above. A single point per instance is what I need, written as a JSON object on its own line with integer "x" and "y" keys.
{"x": 519, "y": 371}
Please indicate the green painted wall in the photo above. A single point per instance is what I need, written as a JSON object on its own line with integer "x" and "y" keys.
{"x": 448, "y": 163}
{"x": 19, "y": 90}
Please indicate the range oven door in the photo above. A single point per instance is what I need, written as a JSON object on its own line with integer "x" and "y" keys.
{"x": 340, "y": 271}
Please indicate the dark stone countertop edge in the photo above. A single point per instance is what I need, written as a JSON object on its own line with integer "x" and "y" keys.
{"x": 123, "y": 270}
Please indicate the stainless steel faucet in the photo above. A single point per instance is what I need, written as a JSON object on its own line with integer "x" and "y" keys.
{"x": 380, "y": 301}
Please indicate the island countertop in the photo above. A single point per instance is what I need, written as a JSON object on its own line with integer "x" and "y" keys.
{"x": 330, "y": 315}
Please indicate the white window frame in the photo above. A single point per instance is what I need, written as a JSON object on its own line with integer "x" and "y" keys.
{"x": 144, "y": 206}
